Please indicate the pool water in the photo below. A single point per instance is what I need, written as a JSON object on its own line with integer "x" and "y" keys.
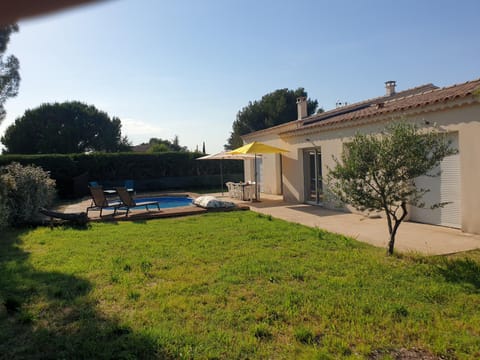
{"x": 166, "y": 202}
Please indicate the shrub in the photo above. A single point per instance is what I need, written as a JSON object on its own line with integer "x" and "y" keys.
{"x": 25, "y": 190}
{"x": 3, "y": 204}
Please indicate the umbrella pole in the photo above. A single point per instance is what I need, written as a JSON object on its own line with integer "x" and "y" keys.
{"x": 221, "y": 176}
{"x": 256, "y": 182}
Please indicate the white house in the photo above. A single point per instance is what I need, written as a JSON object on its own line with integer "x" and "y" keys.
{"x": 313, "y": 140}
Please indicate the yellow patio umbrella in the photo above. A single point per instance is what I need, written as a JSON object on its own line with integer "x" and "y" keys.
{"x": 255, "y": 148}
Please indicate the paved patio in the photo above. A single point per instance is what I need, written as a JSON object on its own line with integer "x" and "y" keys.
{"x": 411, "y": 237}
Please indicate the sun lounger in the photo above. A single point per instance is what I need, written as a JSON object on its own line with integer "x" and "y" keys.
{"x": 105, "y": 191}
{"x": 74, "y": 218}
{"x": 100, "y": 202}
{"x": 128, "y": 202}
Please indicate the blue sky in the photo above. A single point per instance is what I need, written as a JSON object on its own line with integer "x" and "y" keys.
{"x": 186, "y": 67}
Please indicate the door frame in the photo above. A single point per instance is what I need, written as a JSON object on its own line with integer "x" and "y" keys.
{"x": 307, "y": 175}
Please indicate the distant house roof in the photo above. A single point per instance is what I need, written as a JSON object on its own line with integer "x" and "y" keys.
{"x": 141, "y": 148}
{"x": 417, "y": 97}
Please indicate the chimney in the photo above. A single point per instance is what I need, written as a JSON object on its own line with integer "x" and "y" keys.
{"x": 302, "y": 107}
{"x": 390, "y": 87}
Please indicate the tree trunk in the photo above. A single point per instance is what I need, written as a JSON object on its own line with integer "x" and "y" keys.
{"x": 391, "y": 243}
{"x": 393, "y": 231}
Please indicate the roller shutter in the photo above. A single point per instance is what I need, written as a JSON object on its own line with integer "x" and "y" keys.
{"x": 444, "y": 188}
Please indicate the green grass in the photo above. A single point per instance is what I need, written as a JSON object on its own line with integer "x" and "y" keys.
{"x": 228, "y": 286}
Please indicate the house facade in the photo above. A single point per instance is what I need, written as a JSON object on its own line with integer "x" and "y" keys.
{"x": 313, "y": 142}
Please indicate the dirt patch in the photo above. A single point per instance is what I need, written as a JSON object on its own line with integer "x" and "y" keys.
{"x": 404, "y": 354}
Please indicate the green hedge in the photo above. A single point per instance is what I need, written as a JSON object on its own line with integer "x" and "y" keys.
{"x": 73, "y": 171}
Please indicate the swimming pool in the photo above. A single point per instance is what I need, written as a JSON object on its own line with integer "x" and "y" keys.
{"x": 166, "y": 202}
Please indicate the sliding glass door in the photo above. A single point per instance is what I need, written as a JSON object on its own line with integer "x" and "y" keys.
{"x": 313, "y": 176}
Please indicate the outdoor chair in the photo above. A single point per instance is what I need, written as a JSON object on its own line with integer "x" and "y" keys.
{"x": 239, "y": 190}
{"x": 249, "y": 191}
{"x": 130, "y": 185}
{"x": 233, "y": 190}
{"x": 128, "y": 202}
{"x": 105, "y": 191}
{"x": 229, "y": 188}
{"x": 100, "y": 202}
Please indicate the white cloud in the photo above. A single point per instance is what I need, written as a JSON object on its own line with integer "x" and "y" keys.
{"x": 139, "y": 131}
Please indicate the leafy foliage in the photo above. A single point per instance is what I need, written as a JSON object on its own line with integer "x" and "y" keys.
{"x": 275, "y": 108}
{"x": 9, "y": 75}
{"x": 159, "y": 148}
{"x": 62, "y": 128}
{"x": 158, "y": 145}
{"x": 26, "y": 190}
{"x": 378, "y": 172}
{"x": 3, "y": 205}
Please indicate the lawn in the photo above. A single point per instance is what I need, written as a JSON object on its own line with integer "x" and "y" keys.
{"x": 232, "y": 285}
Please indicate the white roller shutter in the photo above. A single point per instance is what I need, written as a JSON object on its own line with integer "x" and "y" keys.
{"x": 444, "y": 188}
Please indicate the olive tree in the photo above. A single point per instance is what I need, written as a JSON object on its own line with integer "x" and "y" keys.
{"x": 377, "y": 172}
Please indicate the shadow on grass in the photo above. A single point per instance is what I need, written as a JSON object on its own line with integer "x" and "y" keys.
{"x": 49, "y": 315}
{"x": 466, "y": 271}
{"x": 70, "y": 225}
{"x": 139, "y": 221}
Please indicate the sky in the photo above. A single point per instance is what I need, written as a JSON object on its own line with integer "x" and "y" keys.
{"x": 186, "y": 67}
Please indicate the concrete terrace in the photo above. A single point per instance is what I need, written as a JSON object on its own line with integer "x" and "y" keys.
{"x": 411, "y": 237}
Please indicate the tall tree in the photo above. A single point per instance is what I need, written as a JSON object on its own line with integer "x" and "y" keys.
{"x": 164, "y": 145}
{"x": 69, "y": 127}
{"x": 378, "y": 171}
{"x": 9, "y": 75}
{"x": 275, "y": 108}
{"x": 175, "y": 144}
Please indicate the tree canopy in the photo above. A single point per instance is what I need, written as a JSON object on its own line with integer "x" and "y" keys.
{"x": 378, "y": 171}
{"x": 164, "y": 145}
{"x": 275, "y": 108}
{"x": 9, "y": 66}
{"x": 62, "y": 128}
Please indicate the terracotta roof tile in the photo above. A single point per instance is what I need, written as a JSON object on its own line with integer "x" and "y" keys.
{"x": 407, "y": 100}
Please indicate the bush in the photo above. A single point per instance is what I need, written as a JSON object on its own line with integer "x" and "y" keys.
{"x": 3, "y": 204}
{"x": 25, "y": 189}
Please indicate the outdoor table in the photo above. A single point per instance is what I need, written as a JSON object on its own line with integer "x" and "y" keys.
{"x": 243, "y": 187}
